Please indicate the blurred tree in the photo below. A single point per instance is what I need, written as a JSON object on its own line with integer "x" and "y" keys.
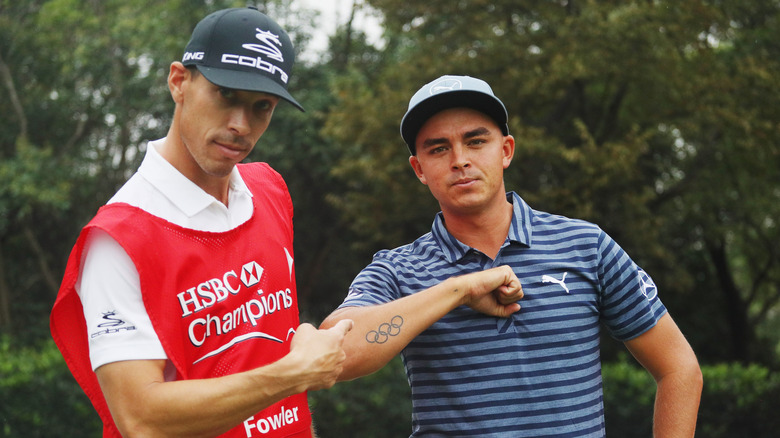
{"x": 82, "y": 90}
{"x": 722, "y": 194}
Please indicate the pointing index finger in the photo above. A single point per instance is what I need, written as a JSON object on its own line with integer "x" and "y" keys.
{"x": 343, "y": 326}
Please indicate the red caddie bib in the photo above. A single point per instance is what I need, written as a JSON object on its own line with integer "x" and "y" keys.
{"x": 220, "y": 303}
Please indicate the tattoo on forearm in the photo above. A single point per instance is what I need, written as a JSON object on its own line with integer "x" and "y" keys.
{"x": 385, "y": 330}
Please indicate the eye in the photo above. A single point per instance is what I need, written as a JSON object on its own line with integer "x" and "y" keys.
{"x": 264, "y": 105}
{"x": 437, "y": 150}
{"x": 227, "y": 93}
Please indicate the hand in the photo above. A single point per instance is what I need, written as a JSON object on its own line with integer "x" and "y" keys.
{"x": 321, "y": 352}
{"x": 493, "y": 292}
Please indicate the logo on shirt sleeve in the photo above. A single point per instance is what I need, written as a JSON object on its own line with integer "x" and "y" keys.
{"x": 112, "y": 324}
{"x": 647, "y": 284}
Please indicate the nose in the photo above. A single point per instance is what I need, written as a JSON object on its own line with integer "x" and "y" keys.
{"x": 460, "y": 159}
{"x": 239, "y": 121}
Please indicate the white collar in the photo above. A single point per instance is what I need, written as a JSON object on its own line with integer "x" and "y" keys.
{"x": 177, "y": 188}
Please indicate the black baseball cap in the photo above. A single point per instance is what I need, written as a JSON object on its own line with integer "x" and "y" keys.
{"x": 450, "y": 92}
{"x": 243, "y": 49}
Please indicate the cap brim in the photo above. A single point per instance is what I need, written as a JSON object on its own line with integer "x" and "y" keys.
{"x": 415, "y": 118}
{"x": 246, "y": 81}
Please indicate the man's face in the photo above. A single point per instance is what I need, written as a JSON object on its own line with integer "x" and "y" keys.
{"x": 219, "y": 127}
{"x": 461, "y": 157}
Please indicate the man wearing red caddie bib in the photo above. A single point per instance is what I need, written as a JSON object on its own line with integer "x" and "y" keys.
{"x": 178, "y": 312}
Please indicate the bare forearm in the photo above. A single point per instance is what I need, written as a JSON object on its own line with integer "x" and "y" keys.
{"x": 677, "y": 405}
{"x": 382, "y": 331}
{"x": 205, "y": 407}
{"x": 665, "y": 353}
{"x": 143, "y": 404}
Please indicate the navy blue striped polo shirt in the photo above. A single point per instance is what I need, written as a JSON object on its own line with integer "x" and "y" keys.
{"x": 537, "y": 373}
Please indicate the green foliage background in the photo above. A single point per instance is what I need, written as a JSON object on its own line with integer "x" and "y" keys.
{"x": 658, "y": 120}
{"x": 40, "y": 399}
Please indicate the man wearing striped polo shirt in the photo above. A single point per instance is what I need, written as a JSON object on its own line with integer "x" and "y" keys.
{"x": 478, "y": 364}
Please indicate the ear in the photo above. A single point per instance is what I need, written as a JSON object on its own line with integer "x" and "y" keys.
{"x": 415, "y": 163}
{"x": 508, "y": 150}
{"x": 177, "y": 77}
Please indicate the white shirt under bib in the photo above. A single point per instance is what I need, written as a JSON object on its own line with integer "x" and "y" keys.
{"x": 109, "y": 287}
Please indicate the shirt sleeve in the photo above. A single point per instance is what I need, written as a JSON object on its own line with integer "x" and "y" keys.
{"x": 629, "y": 298}
{"x": 375, "y": 284}
{"x": 109, "y": 288}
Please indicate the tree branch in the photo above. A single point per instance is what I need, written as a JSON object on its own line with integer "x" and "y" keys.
{"x": 48, "y": 276}
{"x": 5, "y": 299}
{"x": 8, "y": 81}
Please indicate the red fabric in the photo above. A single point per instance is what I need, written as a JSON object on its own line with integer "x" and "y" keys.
{"x": 214, "y": 315}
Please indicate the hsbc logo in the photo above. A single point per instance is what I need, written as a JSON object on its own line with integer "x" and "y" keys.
{"x": 251, "y": 273}
{"x": 215, "y": 290}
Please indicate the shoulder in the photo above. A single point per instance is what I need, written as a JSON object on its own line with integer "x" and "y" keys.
{"x": 258, "y": 170}
{"x": 260, "y": 177}
{"x": 551, "y": 220}
{"x": 133, "y": 192}
{"x": 419, "y": 261}
{"x": 118, "y": 214}
{"x": 540, "y": 226}
{"x": 421, "y": 248}
{"x": 548, "y": 227}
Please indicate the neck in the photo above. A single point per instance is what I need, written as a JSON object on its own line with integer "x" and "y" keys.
{"x": 219, "y": 189}
{"x": 175, "y": 152}
{"x": 485, "y": 231}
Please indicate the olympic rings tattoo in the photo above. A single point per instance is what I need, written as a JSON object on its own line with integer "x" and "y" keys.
{"x": 385, "y": 330}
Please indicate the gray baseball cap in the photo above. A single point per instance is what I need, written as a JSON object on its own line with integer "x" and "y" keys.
{"x": 450, "y": 92}
{"x": 243, "y": 49}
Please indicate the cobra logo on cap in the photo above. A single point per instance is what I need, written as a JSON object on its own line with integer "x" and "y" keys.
{"x": 270, "y": 47}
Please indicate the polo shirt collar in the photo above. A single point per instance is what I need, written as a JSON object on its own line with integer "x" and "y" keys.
{"x": 520, "y": 230}
{"x": 177, "y": 188}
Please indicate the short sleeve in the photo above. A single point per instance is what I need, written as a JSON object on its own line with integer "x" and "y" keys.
{"x": 629, "y": 298}
{"x": 117, "y": 323}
